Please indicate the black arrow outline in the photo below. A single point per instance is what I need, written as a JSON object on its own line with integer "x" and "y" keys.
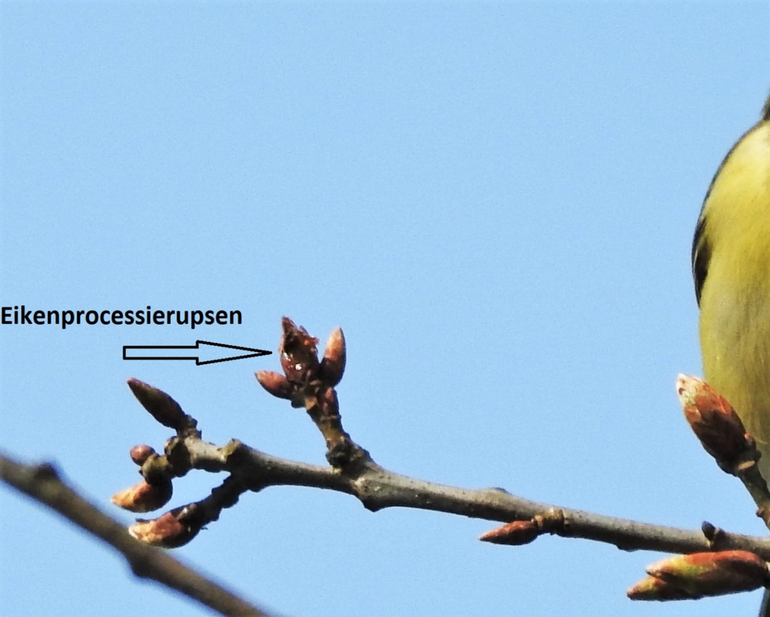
{"x": 255, "y": 352}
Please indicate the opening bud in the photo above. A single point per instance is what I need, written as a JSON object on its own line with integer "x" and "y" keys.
{"x": 172, "y": 530}
{"x": 651, "y": 588}
{"x": 143, "y": 497}
{"x": 298, "y": 353}
{"x": 712, "y": 419}
{"x": 702, "y": 574}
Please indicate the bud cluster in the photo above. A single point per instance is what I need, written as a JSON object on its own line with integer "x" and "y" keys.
{"x": 309, "y": 382}
{"x": 305, "y": 378}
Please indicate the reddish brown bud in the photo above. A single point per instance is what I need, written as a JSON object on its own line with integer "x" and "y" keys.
{"x": 143, "y": 497}
{"x": 139, "y": 454}
{"x": 333, "y": 363}
{"x": 516, "y": 533}
{"x": 712, "y": 419}
{"x": 275, "y": 383}
{"x": 298, "y": 352}
{"x": 172, "y": 530}
{"x": 160, "y": 405}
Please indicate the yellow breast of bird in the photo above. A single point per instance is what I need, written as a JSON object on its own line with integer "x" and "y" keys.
{"x": 735, "y": 299}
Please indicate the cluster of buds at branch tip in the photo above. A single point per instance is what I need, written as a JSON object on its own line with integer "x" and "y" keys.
{"x": 160, "y": 405}
{"x": 516, "y": 533}
{"x": 144, "y": 497}
{"x": 714, "y": 421}
{"x": 309, "y": 383}
{"x": 689, "y": 577}
{"x": 171, "y": 530}
{"x": 305, "y": 377}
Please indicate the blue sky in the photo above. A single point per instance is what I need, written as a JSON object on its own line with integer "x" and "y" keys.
{"x": 494, "y": 200}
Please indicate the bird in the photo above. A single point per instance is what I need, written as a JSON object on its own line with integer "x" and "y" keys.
{"x": 731, "y": 271}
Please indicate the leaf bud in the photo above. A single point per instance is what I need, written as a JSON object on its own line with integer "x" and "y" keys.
{"x": 712, "y": 419}
{"x": 171, "y": 530}
{"x": 139, "y": 454}
{"x": 333, "y": 362}
{"x": 516, "y": 533}
{"x": 160, "y": 405}
{"x": 143, "y": 497}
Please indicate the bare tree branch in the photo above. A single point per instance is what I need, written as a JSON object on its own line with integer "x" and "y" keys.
{"x": 43, "y": 484}
{"x": 378, "y": 488}
{"x": 310, "y": 383}
{"x": 714, "y": 561}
